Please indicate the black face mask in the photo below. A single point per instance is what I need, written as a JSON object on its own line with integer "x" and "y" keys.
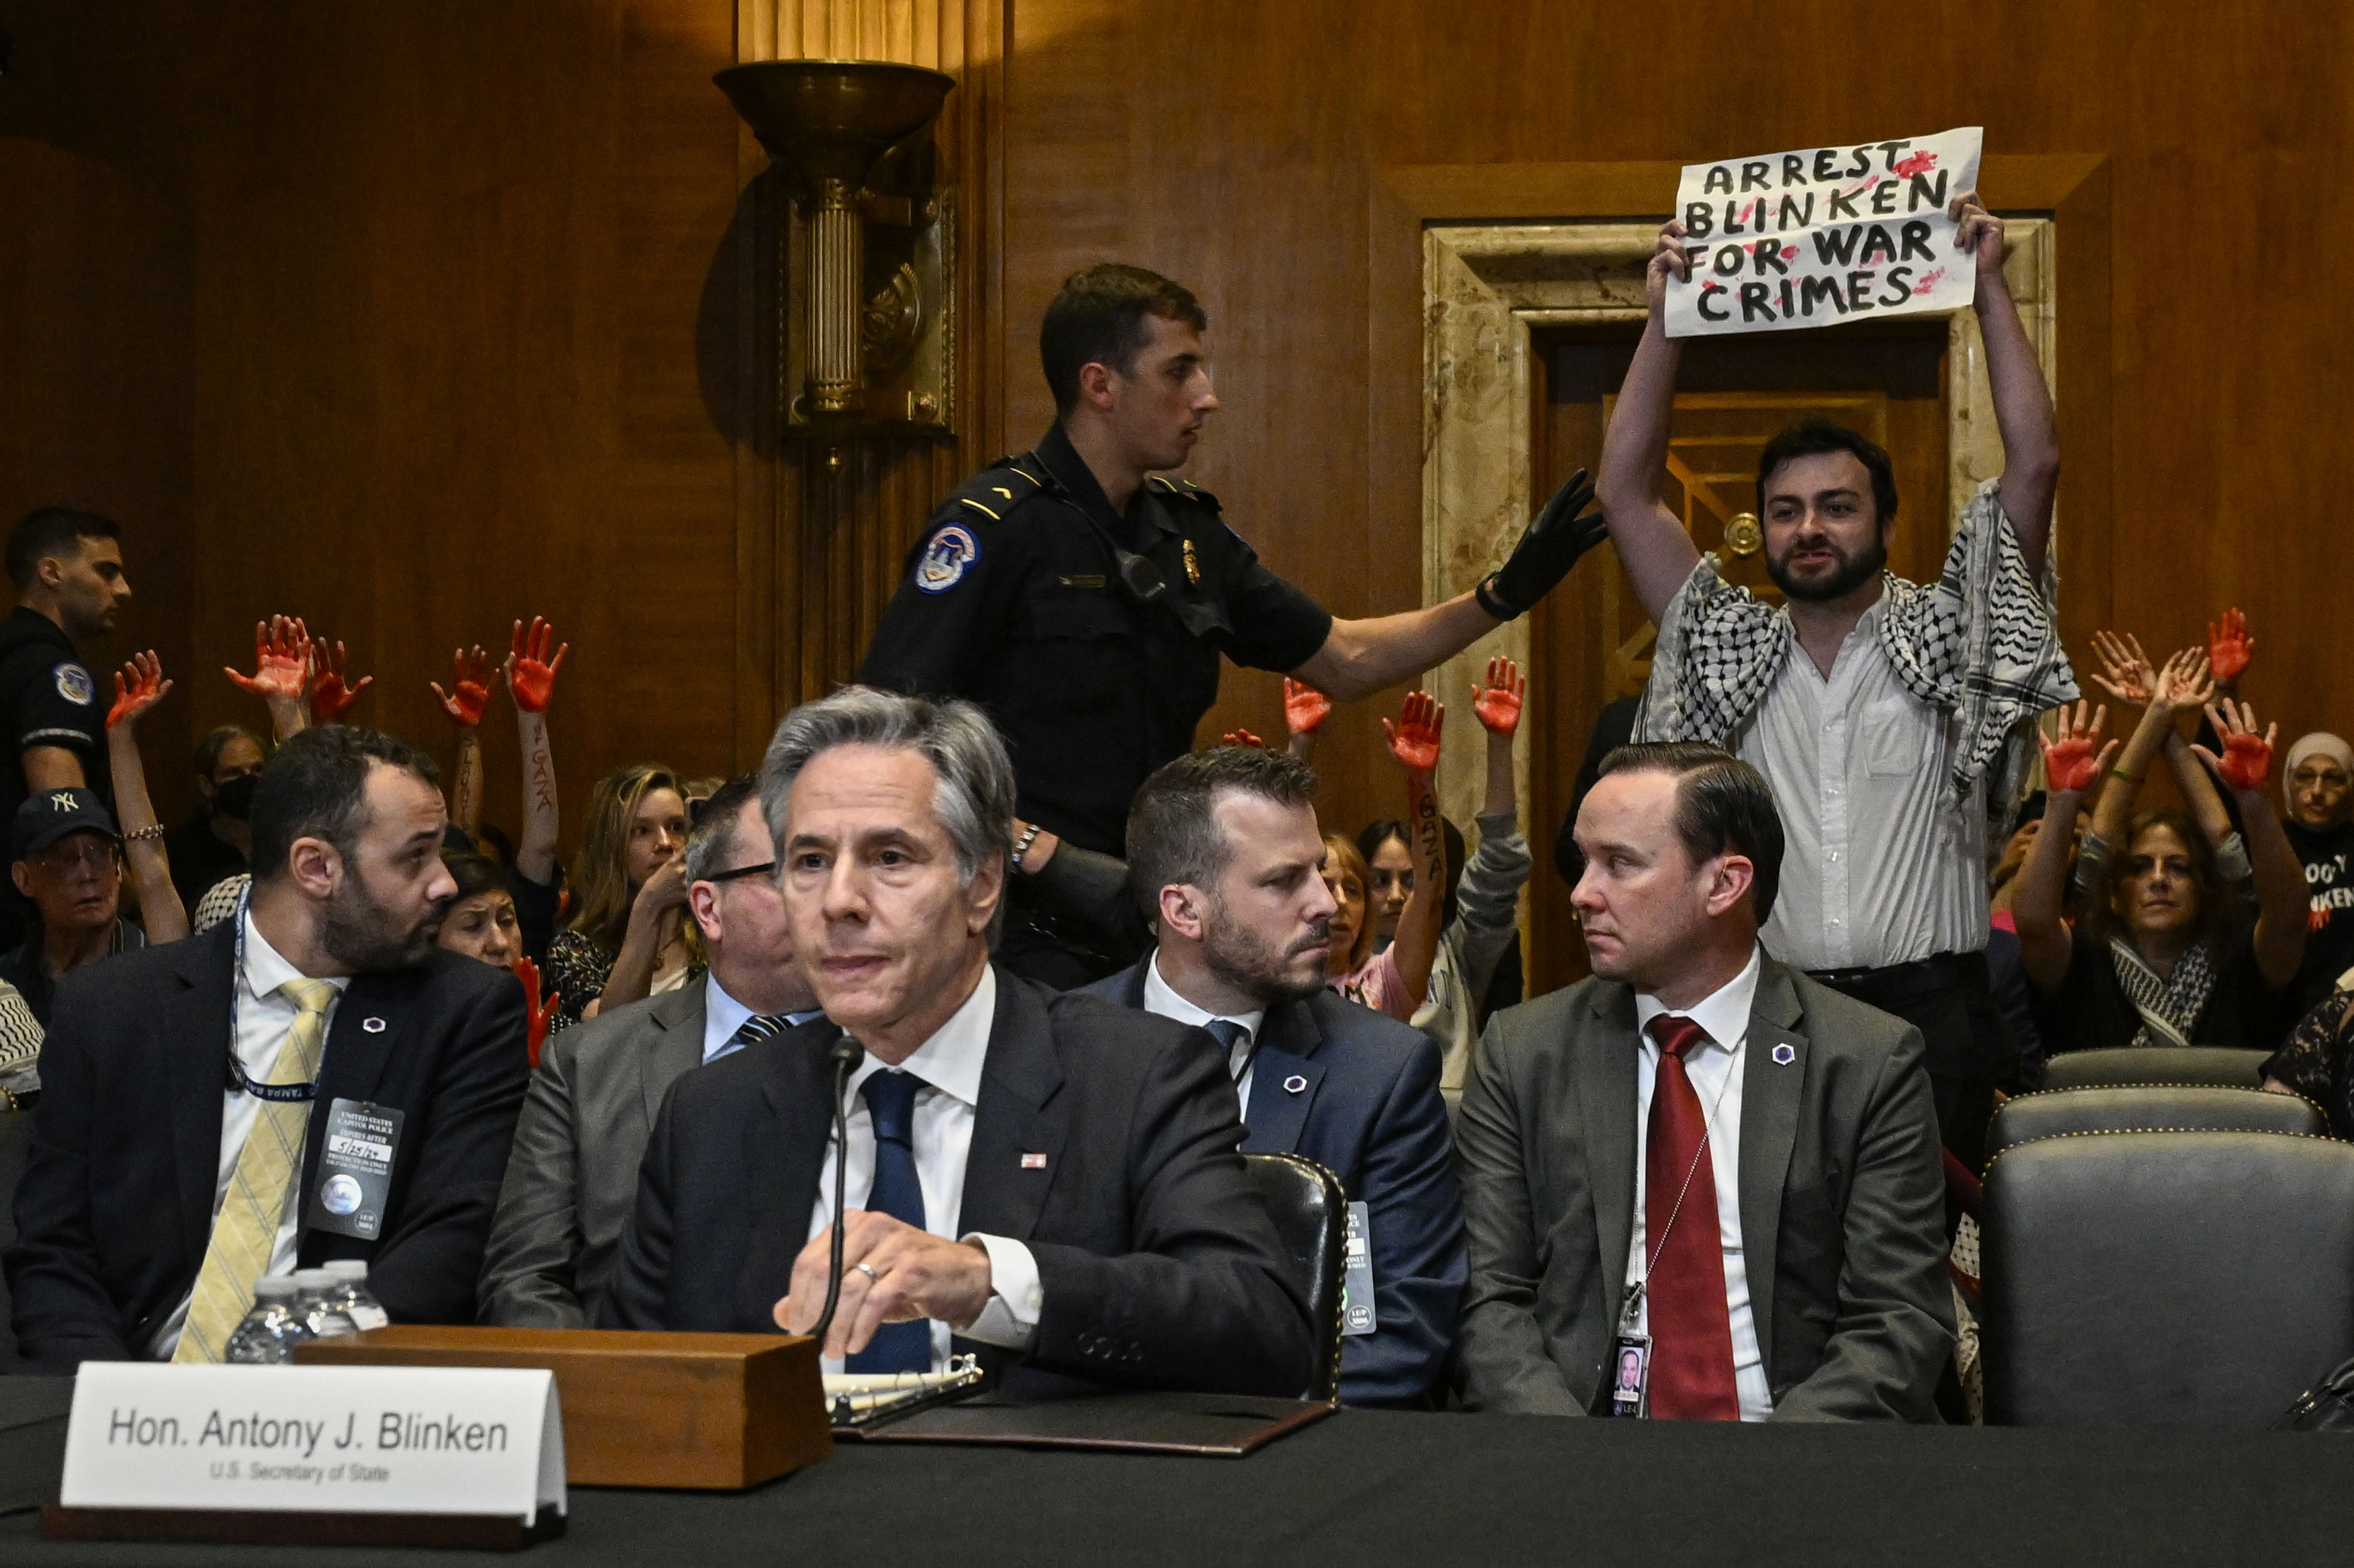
{"x": 234, "y": 800}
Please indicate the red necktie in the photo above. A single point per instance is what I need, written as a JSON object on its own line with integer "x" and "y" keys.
{"x": 1691, "y": 1328}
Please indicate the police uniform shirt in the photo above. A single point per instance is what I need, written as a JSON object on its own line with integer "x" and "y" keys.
{"x": 47, "y": 698}
{"x": 1014, "y": 600}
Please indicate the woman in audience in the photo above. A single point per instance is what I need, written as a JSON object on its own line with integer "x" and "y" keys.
{"x": 1396, "y": 978}
{"x": 139, "y": 686}
{"x": 2163, "y": 951}
{"x": 2317, "y": 787}
{"x": 481, "y": 923}
{"x": 1343, "y": 870}
{"x": 630, "y": 937}
{"x": 2314, "y": 1062}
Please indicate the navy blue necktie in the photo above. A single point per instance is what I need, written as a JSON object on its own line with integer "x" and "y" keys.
{"x": 890, "y": 1096}
{"x": 1226, "y": 1032}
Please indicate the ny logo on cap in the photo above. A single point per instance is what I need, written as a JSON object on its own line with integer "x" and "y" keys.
{"x": 62, "y": 801}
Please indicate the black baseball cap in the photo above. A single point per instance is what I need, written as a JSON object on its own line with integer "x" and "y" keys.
{"x": 49, "y": 815}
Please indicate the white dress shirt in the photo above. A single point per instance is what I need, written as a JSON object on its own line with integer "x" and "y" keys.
{"x": 1161, "y": 998}
{"x": 1715, "y": 1070}
{"x": 723, "y": 1015}
{"x": 947, "y": 1067}
{"x": 1883, "y": 864}
{"x": 264, "y": 1019}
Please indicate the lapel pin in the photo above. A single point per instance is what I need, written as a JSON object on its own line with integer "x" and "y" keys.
{"x": 1294, "y": 1083}
{"x": 373, "y": 1025}
{"x": 1033, "y": 1162}
{"x": 1785, "y": 1054}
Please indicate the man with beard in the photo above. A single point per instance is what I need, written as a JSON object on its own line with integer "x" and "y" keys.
{"x": 189, "y": 1091}
{"x": 1222, "y": 856}
{"x": 1887, "y": 715}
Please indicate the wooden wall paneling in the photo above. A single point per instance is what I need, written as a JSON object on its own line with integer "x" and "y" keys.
{"x": 96, "y": 395}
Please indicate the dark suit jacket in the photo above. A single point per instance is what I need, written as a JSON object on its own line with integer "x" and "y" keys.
{"x": 1842, "y": 1204}
{"x": 1159, "y": 1265}
{"x": 115, "y": 1207}
{"x": 1368, "y": 1109}
{"x": 574, "y": 1172}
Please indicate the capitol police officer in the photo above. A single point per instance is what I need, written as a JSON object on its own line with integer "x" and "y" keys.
{"x": 1084, "y": 600}
{"x": 68, "y": 568}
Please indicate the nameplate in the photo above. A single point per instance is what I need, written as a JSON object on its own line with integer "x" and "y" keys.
{"x": 367, "y": 1440}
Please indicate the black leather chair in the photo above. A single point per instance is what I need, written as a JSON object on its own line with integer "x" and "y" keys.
{"x": 1311, "y": 1220}
{"x": 2150, "y": 1107}
{"x": 2215, "y": 1065}
{"x": 2165, "y": 1279}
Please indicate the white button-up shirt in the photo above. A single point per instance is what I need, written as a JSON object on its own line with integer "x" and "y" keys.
{"x": 265, "y": 1017}
{"x": 1161, "y": 998}
{"x": 1715, "y": 1070}
{"x": 947, "y": 1067}
{"x": 1882, "y": 863}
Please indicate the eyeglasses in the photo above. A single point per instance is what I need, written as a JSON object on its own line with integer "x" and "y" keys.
{"x": 763, "y": 869}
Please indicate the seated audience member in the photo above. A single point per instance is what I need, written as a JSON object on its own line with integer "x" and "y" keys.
{"x": 1813, "y": 1285}
{"x": 1481, "y": 919}
{"x": 2318, "y": 786}
{"x": 1222, "y": 846}
{"x": 1046, "y": 1181}
{"x": 574, "y": 1172}
{"x": 69, "y": 862}
{"x": 2164, "y": 951}
{"x": 630, "y": 936}
{"x": 1344, "y": 873}
{"x": 1395, "y": 978}
{"x": 481, "y": 923}
{"x": 211, "y": 845}
{"x": 2314, "y": 1062}
{"x": 152, "y": 1199}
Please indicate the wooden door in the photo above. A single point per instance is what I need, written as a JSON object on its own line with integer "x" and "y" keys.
{"x": 1591, "y": 641}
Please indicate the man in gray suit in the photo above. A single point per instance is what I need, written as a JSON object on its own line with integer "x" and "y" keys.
{"x": 591, "y": 1107}
{"x": 1698, "y": 1184}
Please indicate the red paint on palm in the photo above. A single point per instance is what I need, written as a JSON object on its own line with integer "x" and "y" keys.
{"x": 2070, "y": 765}
{"x": 2246, "y": 762}
{"x": 1498, "y": 703}
{"x": 144, "y": 689}
{"x": 1413, "y": 738}
{"x": 531, "y": 674}
{"x": 1304, "y": 707}
{"x": 470, "y": 688}
{"x": 2228, "y": 646}
{"x": 536, "y": 1015}
{"x": 331, "y": 697}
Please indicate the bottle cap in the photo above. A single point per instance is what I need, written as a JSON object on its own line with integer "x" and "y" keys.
{"x": 350, "y": 1268}
{"x": 275, "y": 1287}
{"x": 313, "y": 1279}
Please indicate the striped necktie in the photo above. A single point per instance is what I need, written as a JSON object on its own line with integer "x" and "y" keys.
{"x": 759, "y": 1027}
{"x": 245, "y": 1231}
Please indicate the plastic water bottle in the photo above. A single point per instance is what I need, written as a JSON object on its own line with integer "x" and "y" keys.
{"x": 319, "y": 1305}
{"x": 270, "y": 1331}
{"x": 361, "y": 1308}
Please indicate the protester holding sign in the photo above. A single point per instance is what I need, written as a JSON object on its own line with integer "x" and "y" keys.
{"x": 1877, "y": 708}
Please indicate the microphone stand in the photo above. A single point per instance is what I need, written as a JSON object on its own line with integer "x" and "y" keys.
{"x": 845, "y": 1054}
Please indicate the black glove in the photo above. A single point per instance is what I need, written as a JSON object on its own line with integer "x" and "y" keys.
{"x": 1549, "y": 547}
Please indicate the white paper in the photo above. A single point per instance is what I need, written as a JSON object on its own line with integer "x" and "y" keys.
{"x": 472, "y": 1440}
{"x": 1825, "y": 234}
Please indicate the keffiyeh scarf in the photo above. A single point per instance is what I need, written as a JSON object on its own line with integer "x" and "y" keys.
{"x": 2170, "y": 1007}
{"x": 1980, "y": 642}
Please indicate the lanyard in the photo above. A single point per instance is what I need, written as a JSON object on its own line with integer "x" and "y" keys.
{"x": 280, "y": 1094}
{"x": 1654, "y": 1246}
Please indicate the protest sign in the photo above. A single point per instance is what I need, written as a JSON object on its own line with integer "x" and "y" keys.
{"x": 1826, "y": 235}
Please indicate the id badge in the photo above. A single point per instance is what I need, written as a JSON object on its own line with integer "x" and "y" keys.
{"x": 1630, "y": 1372}
{"x": 355, "y": 1169}
{"x": 1357, "y": 1272}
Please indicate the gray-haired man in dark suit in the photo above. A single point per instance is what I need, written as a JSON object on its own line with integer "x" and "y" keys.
{"x": 1698, "y": 1184}
{"x": 574, "y": 1172}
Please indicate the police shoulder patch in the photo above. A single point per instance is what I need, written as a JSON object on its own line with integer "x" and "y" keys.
{"x": 946, "y": 557}
{"x": 74, "y": 683}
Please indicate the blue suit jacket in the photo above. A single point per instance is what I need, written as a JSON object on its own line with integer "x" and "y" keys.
{"x": 1367, "y": 1108}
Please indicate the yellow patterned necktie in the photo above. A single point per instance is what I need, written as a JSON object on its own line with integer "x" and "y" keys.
{"x": 245, "y": 1232}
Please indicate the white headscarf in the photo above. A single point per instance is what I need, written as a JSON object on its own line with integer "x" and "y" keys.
{"x": 2320, "y": 743}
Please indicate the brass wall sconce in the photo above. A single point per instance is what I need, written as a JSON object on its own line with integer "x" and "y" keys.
{"x": 870, "y": 328}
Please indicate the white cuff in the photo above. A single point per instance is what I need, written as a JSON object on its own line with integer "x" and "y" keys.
{"x": 1014, "y": 1298}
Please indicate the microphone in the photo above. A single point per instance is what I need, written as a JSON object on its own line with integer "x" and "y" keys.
{"x": 845, "y": 1053}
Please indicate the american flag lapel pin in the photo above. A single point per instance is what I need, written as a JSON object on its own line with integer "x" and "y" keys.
{"x": 1033, "y": 1162}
